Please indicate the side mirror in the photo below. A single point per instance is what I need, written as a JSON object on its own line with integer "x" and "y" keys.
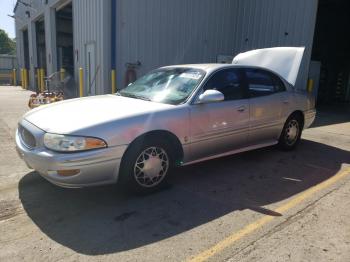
{"x": 211, "y": 96}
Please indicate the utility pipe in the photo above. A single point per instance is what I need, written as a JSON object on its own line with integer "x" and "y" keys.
{"x": 113, "y": 44}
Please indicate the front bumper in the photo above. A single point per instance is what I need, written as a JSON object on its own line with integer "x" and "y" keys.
{"x": 97, "y": 167}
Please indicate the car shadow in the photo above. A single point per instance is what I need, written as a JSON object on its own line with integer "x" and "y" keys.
{"x": 101, "y": 220}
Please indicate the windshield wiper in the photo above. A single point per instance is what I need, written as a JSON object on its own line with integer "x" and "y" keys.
{"x": 134, "y": 96}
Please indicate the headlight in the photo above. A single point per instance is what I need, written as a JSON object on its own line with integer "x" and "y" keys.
{"x": 63, "y": 143}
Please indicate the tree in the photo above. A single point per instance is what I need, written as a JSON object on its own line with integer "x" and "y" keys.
{"x": 7, "y": 45}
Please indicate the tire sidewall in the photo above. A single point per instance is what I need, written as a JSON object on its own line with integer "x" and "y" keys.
{"x": 126, "y": 173}
{"x": 282, "y": 141}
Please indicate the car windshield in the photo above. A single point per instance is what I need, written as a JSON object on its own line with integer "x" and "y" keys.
{"x": 166, "y": 85}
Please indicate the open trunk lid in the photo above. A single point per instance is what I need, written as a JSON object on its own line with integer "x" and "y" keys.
{"x": 285, "y": 61}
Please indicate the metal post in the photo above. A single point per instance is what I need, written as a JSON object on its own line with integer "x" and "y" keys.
{"x": 42, "y": 82}
{"x": 81, "y": 83}
{"x": 62, "y": 74}
{"x": 114, "y": 87}
{"x": 22, "y": 78}
{"x": 14, "y": 75}
{"x": 38, "y": 79}
{"x": 25, "y": 78}
{"x": 310, "y": 85}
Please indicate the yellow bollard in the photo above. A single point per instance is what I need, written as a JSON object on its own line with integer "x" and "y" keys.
{"x": 38, "y": 79}
{"x": 42, "y": 81}
{"x": 114, "y": 87}
{"x": 81, "y": 83}
{"x": 14, "y": 75}
{"x": 62, "y": 74}
{"x": 310, "y": 85}
{"x": 25, "y": 79}
{"x": 22, "y": 78}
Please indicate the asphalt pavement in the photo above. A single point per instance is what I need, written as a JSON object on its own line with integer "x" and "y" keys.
{"x": 264, "y": 205}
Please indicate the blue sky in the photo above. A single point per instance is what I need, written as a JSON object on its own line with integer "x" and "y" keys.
{"x": 7, "y": 23}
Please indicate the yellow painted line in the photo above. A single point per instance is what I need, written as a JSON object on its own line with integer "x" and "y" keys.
{"x": 228, "y": 241}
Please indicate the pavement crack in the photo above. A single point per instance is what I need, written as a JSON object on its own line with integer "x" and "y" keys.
{"x": 7, "y": 129}
{"x": 9, "y": 209}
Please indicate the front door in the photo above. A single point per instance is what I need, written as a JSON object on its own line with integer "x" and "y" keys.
{"x": 220, "y": 127}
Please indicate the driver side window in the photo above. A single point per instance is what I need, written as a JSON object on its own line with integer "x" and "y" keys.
{"x": 228, "y": 82}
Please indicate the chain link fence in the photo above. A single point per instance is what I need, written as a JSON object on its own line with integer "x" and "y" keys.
{"x": 7, "y": 74}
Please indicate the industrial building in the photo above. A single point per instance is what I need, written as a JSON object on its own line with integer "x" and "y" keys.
{"x": 127, "y": 38}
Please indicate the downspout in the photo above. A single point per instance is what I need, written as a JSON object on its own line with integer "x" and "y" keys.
{"x": 113, "y": 44}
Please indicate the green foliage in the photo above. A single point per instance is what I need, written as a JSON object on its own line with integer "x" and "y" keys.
{"x": 7, "y": 45}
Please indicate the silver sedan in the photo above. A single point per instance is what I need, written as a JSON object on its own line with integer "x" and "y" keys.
{"x": 172, "y": 116}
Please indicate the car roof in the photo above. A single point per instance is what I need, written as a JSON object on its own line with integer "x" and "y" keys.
{"x": 213, "y": 67}
{"x": 209, "y": 68}
{"x": 205, "y": 67}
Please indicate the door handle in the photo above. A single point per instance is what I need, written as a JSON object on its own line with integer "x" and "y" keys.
{"x": 241, "y": 109}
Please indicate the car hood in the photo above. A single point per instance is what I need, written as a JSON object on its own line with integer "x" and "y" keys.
{"x": 77, "y": 114}
{"x": 285, "y": 61}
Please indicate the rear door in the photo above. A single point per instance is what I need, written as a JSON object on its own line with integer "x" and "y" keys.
{"x": 221, "y": 126}
{"x": 267, "y": 93}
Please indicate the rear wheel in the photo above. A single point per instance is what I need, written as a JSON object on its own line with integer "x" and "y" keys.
{"x": 146, "y": 165}
{"x": 291, "y": 132}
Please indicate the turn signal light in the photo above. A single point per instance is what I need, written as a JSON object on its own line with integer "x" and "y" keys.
{"x": 92, "y": 143}
{"x": 68, "y": 172}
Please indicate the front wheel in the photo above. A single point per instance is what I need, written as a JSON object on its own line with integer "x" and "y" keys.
{"x": 146, "y": 165}
{"x": 291, "y": 133}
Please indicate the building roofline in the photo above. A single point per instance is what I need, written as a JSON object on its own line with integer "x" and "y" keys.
{"x": 15, "y": 8}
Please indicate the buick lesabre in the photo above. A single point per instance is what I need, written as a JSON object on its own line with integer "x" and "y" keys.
{"x": 172, "y": 116}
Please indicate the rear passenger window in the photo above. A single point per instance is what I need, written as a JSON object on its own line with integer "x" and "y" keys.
{"x": 280, "y": 87}
{"x": 262, "y": 83}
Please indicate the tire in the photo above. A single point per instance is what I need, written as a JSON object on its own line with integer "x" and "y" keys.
{"x": 146, "y": 165}
{"x": 291, "y": 133}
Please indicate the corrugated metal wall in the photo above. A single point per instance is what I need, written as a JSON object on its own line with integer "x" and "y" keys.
{"x": 163, "y": 32}
{"x": 271, "y": 23}
{"x": 92, "y": 26}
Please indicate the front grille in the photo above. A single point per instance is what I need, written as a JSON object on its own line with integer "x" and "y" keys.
{"x": 27, "y": 138}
